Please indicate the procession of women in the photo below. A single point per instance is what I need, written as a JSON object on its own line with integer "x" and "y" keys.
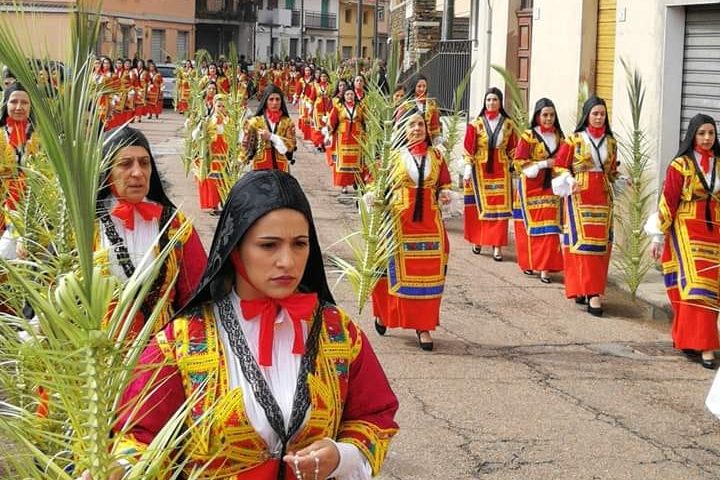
{"x": 237, "y": 361}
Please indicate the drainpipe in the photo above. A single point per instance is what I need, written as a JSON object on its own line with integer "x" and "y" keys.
{"x": 447, "y": 19}
{"x": 488, "y": 46}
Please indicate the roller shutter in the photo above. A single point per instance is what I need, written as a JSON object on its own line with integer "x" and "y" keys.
{"x": 158, "y": 45}
{"x": 701, "y": 65}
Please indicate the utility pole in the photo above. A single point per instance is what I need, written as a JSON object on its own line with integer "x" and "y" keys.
{"x": 302, "y": 29}
{"x": 447, "y": 19}
{"x": 376, "y": 40}
{"x": 359, "y": 28}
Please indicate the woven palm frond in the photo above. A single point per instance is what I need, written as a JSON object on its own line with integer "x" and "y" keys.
{"x": 518, "y": 107}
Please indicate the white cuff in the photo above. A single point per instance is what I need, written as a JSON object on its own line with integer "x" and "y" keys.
{"x": 542, "y": 164}
{"x": 563, "y": 184}
{"x": 278, "y": 144}
{"x": 352, "y": 465}
{"x": 467, "y": 173}
{"x": 652, "y": 227}
{"x": 531, "y": 171}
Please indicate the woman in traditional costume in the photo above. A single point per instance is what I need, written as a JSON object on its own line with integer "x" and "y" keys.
{"x": 306, "y": 97}
{"x": 185, "y": 76}
{"x": 134, "y": 217}
{"x": 489, "y": 144}
{"x": 347, "y": 127}
{"x": 154, "y": 91}
{"x": 688, "y": 216}
{"x": 337, "y": 99}
{"x": 537, "y": 208}
{"x": 210, "y": 170}
{"x": 410, "y": 295}
{"x": 585, "y": 169}
{"x": 268, "y": 139}
{"x": 141, "y": 79}
{"x": 359, "y": 87}
{"x": 298, "y": 391}
{"x": 417, "y": 99}
{"x": 321, "y": 111}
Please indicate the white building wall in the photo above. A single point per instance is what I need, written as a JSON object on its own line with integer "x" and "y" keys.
{"x": 482, "y": 75}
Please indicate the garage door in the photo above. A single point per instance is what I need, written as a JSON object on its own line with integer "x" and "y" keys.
{"x": 701, "y": 65}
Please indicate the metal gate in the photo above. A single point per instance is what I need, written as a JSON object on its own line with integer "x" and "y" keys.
{"x": 701, "y": 65}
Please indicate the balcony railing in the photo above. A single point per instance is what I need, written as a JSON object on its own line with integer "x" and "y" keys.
{"x": 295, "y": 21}
{"x": 321, "y": 20}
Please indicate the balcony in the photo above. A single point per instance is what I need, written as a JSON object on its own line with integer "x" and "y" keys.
{"x": 231, "y": 10}
{"x": 326, "y": 21}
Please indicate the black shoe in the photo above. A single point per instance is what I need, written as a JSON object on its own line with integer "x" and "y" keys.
{"x": 595, "y": 311}
{"x": 692, "y": 355}
{"x": 581, "y": 300}
{"x": 380, "y": 328}
{"x": 476, "y": 250}
{"x": 427, "y": 346}
{"x": 709, "y": 364}
{"x": 497, "y": 257}
{"x": 545, "y": 280}
{"x": 528, "y": 272}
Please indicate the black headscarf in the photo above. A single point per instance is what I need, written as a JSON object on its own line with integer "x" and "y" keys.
{"x": 269, "y": 90}
{"x": 539, "y": 105}
{"x": 591, "y": 102}
{"x": 494, "y": 91}
{"x": 129, "y": 137}
{"x": 256, "y": 194}
{"x": 688, "y": 143}
{"x": 15, "y": 87}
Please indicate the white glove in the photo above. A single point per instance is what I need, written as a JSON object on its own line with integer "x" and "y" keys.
{"x": 368, "y": 199}
{"x": 324, "y": 131}
{"x": 562, "y": 185}
{"x": 652, "y": 228}
{"x": 467, "y": 174}
{"x": 196, "y": 132}
{"x": 220, "y": 129}
{"x": 531, "y": 171}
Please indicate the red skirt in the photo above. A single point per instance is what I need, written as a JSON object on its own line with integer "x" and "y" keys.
{"x": 585, "y": 274}
{"x": 208, "y": 191}
{"x": 694, "y": 324}
{"x": 484, "y": 232}
{"x": 538, "y": 253}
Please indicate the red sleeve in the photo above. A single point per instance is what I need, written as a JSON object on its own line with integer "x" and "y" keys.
{"x": 670, "y": 198}
{"x": 435, "y": 120}
{"x": 334, "y": 119}
{"x": 470, "y": 140}
{"x": 162, "y": 393}
{"x": 369, "y": 398}
{"x": 522, "y": 151}
{"x": 192, "y": 266}
{"x": 563, "y": 159}
{"x": 444, "y": 178}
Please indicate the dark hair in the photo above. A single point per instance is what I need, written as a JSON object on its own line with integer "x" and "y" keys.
{"x": 591, "y": 102}
{"x": 255, "y": 195}
{"x": 412, "y": 84}
{"x": 688, "y": 142}
{"x": 15, "y": 87}
{"x": 122, "y": 137}
{"x": 269, "y": 90}
{"x": 498, "y": 93}
{"x": 539, "y": 105}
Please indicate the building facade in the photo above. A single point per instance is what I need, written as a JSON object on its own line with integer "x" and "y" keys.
{"x": 673, "y": 44}
{"x": 220, "y": 23}
{"x": 348, "y": 30}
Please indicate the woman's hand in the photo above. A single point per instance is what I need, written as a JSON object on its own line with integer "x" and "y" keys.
{"x": 445, "y": 197}
{"x": 657, "y": 250}
{"x": 315, "y": 462}
{"x": 550, "y": 162}
{"x": 264, "y": 134}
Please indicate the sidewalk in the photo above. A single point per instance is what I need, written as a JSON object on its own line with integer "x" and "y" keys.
{"x": 651, "y": 292}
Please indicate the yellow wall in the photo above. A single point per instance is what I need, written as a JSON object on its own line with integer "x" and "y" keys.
{"x": 41, "y": 35}
{"x": 348, "y": 30}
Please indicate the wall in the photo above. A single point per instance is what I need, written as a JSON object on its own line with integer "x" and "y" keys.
{"x": 48, "y": 31}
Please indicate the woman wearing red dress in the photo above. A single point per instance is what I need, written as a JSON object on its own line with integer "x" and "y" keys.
{"x": 537, "y": 212}
{"x": 586, "y": 168}
{"x": 489, "y": 145}
{"x": 154, "y": 91}
{"x": 347, "y": 126}
{"x": 688, "y": 216}
{"x": 410, "y": 295}
{"x": 321, "y": 110}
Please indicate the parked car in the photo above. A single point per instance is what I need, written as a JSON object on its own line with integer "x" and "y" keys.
{"x": 167, "y": 70}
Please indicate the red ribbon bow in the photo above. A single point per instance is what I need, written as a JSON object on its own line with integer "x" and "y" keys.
{"x": 544, "y": 129}
{"x": 274, "y": 117}
{"x": 18, "y": 132}
{"x": 125, "y": 211}
{"x": 492, "y": 114}
{"x": 419, "y": 148}
{"x": 705, "y": 156}
{"x": 299, "y": 306}
{"x": 596, "y": 132}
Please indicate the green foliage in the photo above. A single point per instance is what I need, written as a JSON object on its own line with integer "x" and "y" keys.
{"x": 518, "y": 107}
{"x": 636, "y": 200}
{"x": 457, "y": 118}
{"x": 79, "y": 349}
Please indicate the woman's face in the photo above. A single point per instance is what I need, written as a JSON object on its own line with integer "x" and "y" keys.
{"x": 220, "y": 106}
{"x": 342, "y": 86}
{"x": 308, "y": 72}
{"x": 705, "y": 136}
{"x": 212, "y": 69}
{"x": 211, "y": 90}
{"x": 349, "y": 96}
{"x": 118, "y": 64}
{"x": 106, "y": 64}
{"x": 140, "y": 65}
{"x": 359, "y": 83}
{"x": 130, "y": 174}
{"x": 18, "y": 106}
{"x": 188, "y": 64}
{"x": 415, "y": 129}
{"x": 324, "y": 78}
{"x": 398, "y": 95}
{"x": 597, "y": 116}
{"x": 274, "y": 252}
{"x": 273, "y": 102}
{"x": 421, "y": 88}
{"x": 492, "y": 102}
{"x": 128, "y": 64}
{"x": 546, "y": 117}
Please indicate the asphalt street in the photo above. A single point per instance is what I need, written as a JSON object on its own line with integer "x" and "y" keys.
{"x": 523, "y": 384}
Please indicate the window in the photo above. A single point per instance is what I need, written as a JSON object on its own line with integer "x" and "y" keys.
{"x": 366, "y": 17}
{"x": 330, "y": 47}
{"x": 348, "y": 15}
{"x": 290, "y": 4}
{"x": 294, "y": 48}
{"x": 364, "y": 52}
{"x": 181, "y": 48}
{"x": 157, "y": 51}
{"x": 272, "y": 4}
{"x": 347, "y": 52}
{"x": 381, "y": 14}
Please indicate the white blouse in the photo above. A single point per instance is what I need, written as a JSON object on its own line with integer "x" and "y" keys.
{"x": 140, "y": 242}
{"x": 281, "y": 378}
